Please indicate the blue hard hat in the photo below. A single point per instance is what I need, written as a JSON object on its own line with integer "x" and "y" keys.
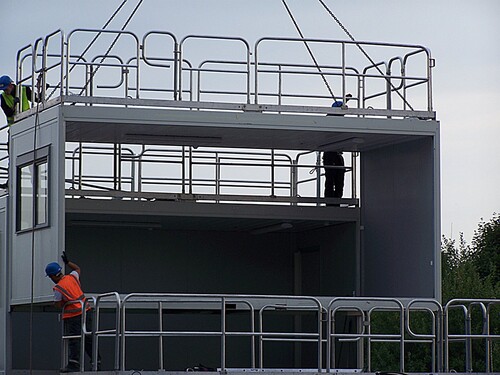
{"x": 53, "y": 269}
{"x": 5, "y": 81}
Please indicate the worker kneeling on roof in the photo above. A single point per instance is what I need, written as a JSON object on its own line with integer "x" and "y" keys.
{"x": 68, "y": 295}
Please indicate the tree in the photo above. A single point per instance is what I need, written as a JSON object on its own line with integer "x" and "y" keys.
{"x": 472, "y": 272}
{"x": 486, "y": 245}
{"x": 468, "y": 272}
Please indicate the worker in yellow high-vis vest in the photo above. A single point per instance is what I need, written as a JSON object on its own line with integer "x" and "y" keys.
{"x": 9, "y": 100}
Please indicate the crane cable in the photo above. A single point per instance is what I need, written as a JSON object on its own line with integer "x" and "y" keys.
{"x": 309, "y": 49}
{"x": 364, "y": 52}
{"x": 89, "y": 46}
{"x": 35, "y": 183}
{"x": 112, "y": 45}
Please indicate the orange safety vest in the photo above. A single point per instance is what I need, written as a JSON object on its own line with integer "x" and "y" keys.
{"x": 69, "y": 287}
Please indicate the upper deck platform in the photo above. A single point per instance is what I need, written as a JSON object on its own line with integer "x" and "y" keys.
{"x": 217, "y": 73}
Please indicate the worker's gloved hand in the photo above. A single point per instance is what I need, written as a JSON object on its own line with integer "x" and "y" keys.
{"x": 16, "y": 101}
{"x": 64, "y": 257}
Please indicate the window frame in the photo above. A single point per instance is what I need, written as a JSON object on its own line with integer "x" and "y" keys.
{"x": 34, "y": 159}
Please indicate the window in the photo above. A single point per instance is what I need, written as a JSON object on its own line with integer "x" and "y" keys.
{"x": 32, "y": 190}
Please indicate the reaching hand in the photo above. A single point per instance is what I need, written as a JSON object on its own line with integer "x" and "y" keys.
{"x": 64, "y": 257}
{"x": 16, "y": 101}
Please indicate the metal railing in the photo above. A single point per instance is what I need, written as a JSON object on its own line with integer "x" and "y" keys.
{"x": 467, "y": 306}
{"x": 219, "y": 174}
{"x": 266, "y": 74}
{"x": 325, "y": 312}
{"x": 96, "y": 332}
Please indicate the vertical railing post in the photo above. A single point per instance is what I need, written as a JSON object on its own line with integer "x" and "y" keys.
{"x": 183, "y": 189}
{"x": 123, "y": 336}
{"x": 217, "y": 174}
{"x": 320, "y": 338}
{"x": 160, "y": 337}
{"x": 190, "y": 170}
{"x": 139, "y": 170}
{"x": 115, "y": 166}
{"x": 293, "y": 181}
{"x": 180, "y": 72}
{"x": 468, "y": 342}
{"x": 83, "y": 330}
{"x": 430, "y": 65}
{"x": 117, "y": 333}
{"x": 256, "y": 74}
{"x": 176, "y": 70}
{"x": 223, "y": 335}
{"x": 388, "y": 86}
{"x": 328, "y": 340}
{"x": 80, "y": 167}
{"x": 66, "y": 69}
{"x": 280, "y": 84}
{"x": 354, "y": 172}
{"x": 445, "y": 339}
{"x": 95, "y": 343}
{"x": 343, "y": 74}
{"x": 439, "y": 340}
{"x": 273, "y": 193}
{"x": 64, "y": 343}
{"x": 402, "y": 344}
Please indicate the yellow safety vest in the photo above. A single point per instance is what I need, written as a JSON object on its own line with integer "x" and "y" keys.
{"x": 9, "y": 99}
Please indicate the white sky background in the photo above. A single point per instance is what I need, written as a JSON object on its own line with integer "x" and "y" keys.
{"x": 464, "y": 38}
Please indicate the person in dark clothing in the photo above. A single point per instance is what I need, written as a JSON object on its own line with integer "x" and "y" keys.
{"x": 334, "y": 177}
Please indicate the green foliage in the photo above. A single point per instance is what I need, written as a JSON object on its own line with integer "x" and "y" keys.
{"x": 468, "y": 272}
{"x": 486, "y": 242}
{"x": 472, "y": 272}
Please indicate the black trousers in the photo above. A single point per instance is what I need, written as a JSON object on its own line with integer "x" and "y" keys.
{"x": 334, "y": 178}
{"x": 73, "y": 327}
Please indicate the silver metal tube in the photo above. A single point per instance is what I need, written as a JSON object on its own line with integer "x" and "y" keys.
{"x": 160, "y": 338}
{"x": 223, "y": 335}
{"x": 318, "y": 177}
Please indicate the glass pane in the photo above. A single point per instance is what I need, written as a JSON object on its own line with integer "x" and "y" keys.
{"x": 41, "y": 193}
{"x": 26, "y": 198}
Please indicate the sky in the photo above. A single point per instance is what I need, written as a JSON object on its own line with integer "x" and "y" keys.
{"x": 463, "y": 36}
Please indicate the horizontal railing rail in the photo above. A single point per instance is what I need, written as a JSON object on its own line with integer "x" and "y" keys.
{"x": 253, "y": 73}
{"x": 186, "y": 170}
{"x": 258, "y": 329}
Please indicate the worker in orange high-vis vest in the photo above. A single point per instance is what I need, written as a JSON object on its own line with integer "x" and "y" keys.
{"x": 66, "y": 290}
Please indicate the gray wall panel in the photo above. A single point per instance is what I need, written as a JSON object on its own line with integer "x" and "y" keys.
{"x": 398, "y": 217}
{"x": 4, "y": 297}
{"x": 140, "y": 260}
{"x": 338, "y": 257}
{"x": 47, "y": 241}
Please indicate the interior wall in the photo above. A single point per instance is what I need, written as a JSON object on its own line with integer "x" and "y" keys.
{"x": 140, "y": 260}
{"x": 336, "y": 249}
{"x": 398, "y": 220}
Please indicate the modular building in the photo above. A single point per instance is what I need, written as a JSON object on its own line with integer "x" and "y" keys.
{"x": 181, "y": 182}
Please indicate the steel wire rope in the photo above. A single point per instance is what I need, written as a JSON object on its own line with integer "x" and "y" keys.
{"x": 364, "y": 52}
{"x": 308, "y": 49}
{"x": 89, "y": 46}
{"x": 33, "y": 219}
{"x": 112, "y": 45}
